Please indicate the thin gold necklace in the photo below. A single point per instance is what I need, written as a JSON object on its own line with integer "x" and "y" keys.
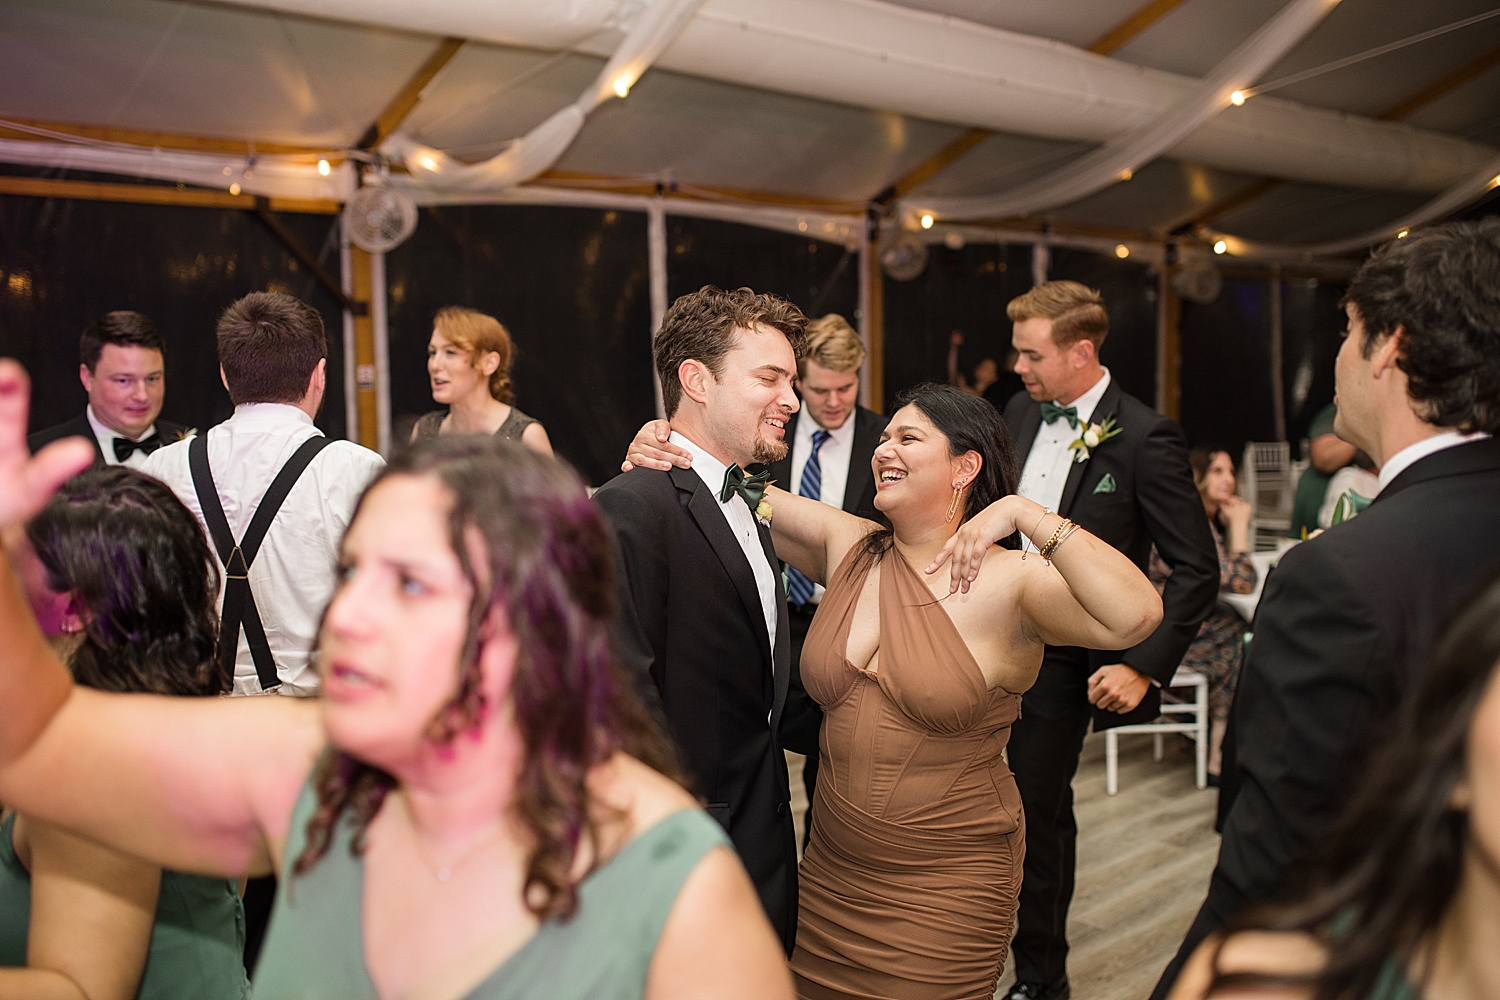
{"x": 443, "y": 873}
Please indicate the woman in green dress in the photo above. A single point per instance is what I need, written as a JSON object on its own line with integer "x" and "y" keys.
{"x": 477, "y": 806}
{"x": 121, "y": 581}
{"x": 1405, "y": 901}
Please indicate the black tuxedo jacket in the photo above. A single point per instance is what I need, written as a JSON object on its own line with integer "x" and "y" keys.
{"x": 79, "y": 426}
{"x": 691, "y": 619}
{"x": 1154, "y": 501}
{"x": 859, "y": 490}
{"x": 1343, "y": 631}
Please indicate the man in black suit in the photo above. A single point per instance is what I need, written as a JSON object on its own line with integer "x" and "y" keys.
{"x": 1347, "y": 621}
{"x": 703, "y": 611}
{"x": 1118, "y": 468}
{"x": 122, "y": 369}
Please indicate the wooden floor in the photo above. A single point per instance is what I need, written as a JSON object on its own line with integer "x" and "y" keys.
{"x": 1144, "y": 857}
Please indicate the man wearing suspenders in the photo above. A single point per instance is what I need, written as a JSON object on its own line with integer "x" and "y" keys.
{"x": 274, "y": 496}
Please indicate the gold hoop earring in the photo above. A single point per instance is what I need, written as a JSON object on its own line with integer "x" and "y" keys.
{"x": 953, "y": 504}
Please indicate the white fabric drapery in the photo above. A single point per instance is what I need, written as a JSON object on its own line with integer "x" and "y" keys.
{"x": 1121, "y": 156}
{"x": 658, "y": 25}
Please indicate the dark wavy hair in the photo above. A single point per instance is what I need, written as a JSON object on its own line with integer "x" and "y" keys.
{"x": 1441, "y": 286}
{"x": 139, "y": 567}
{"x": 549, "y": 571}
{"x": 970, "y": 424}
{"x": 1392, "y": 863}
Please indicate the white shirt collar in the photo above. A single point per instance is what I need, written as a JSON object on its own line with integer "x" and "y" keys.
{"x": 1086, "y": 403}
{"x": 270, "y": 413}
{"x": 709, "y": 469}
{"x": 1414, "y": 453}
{"x": 107, "y": 435}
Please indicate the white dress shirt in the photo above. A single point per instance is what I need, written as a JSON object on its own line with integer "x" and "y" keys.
{"x": 106, "y": 438}
{"x": 833, "y": 461}
{"x": 295, "y": 572}
{"x": 742, "y": 523}
{"x": 1045, "y": 474}
{"x": 1413, "y": 453}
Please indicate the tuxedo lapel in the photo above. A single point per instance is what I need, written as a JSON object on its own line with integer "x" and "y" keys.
{"x": 1031, "y": 422}
{"x": 704, "y": 509}
{"x": 866, "y": 439}
{"x": 782, "y": 655}
{"x": 1108, "y": 404}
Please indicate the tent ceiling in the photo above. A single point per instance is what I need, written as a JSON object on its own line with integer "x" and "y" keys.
{"x": 221, "y": 70}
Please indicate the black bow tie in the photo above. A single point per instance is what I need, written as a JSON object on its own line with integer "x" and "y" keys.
{"x": 124, "y": 447}
{"x": 752, "y": 488}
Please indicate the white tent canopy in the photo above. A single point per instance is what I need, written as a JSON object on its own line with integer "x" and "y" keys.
{"x": 818, "y": 105}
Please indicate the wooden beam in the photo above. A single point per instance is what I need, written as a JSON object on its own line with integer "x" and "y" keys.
{"x": 1116, "y": 38}
{"x": 933, "y": 165}
{"x": 875, "y": 326}
{"x": 289, "y": 240}
{"x": 403, "y": 103}
{"x": 1228, "y": 204}
{"x": 166, "y": 140}
{"x": 1443, "y": 87}
{"x": 692, "y": 192}
{"x": 1171, "y": 342}
{"x": 155, "y": 194}
{"x": 367, "y": 429}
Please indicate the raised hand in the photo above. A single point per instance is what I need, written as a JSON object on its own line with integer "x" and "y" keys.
{"x": 651, "y": 450}
{"x": 970, "y": 543}
{"x": 26, "y": 481}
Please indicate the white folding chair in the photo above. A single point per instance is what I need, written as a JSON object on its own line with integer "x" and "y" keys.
{"x": 1197, "y": 709}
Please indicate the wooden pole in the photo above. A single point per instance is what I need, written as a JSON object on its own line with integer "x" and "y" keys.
{"x": 367, "y": 431}
{"x": 874, "y": 318}
{"x": 1170, "y": 392}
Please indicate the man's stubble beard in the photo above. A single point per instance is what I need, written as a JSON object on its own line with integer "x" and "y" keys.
{"x": 765, "y": 452}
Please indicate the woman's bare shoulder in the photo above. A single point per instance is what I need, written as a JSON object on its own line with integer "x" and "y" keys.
{"x": 1270, "y": 953}
{"x": 645, "y": 796}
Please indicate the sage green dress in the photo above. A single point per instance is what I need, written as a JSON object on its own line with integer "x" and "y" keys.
{"x": 315, "y": 945}
{"x": 197, "y": 940}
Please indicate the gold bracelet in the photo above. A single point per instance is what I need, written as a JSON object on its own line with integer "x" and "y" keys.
{"x": 1057, "y": 536}
{"x": 1045, "y": 512}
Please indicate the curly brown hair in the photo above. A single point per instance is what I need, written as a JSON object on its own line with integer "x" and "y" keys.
{"x": 548, "y": 570}
{"x": 700, "y": 326}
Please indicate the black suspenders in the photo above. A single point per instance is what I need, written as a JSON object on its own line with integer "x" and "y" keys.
{"x": 239, "y": 602}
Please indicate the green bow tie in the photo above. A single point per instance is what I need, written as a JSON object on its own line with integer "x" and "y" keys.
{"x": 1051, "y": 412}
{"x": 752, "y": 488}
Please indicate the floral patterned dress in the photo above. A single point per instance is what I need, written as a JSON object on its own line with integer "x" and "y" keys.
{"x": 1219, "y": 648}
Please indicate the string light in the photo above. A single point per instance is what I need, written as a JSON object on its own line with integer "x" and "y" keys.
{"x": 234, "y": 188}
{"x": 1125, "y": 174}
{"x": 429, "y": 163}
{"x": 1122, "y": 251}
{"x": 1403, "y": 234}
{"x": 622, "y": 86}
{"x": 1220, "y": 247}
{"x": 324, "y": 168}
{"x": 927, "y": 222}
{"x": 1237, "y": 98}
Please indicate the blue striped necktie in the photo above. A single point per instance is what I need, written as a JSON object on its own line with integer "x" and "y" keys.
{"x": 799, "y": 588}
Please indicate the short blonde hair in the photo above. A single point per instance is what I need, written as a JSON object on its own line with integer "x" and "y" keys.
{"x": 1076, "y": 311}
{"x": 832, "y": 343}
{"x": 479, "y": 335}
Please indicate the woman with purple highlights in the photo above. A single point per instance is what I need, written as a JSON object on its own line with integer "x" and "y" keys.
{"x": 476, "y": 807}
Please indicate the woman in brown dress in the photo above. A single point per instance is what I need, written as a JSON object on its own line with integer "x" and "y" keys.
{"x": 911, "y": 874}
{"x": 468, "y": 364}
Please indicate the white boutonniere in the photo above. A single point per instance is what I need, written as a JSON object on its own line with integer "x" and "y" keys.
{"x": 187, "y": 432}
{"x": 763, "y": 512}
{"x": 1092, "y": 437}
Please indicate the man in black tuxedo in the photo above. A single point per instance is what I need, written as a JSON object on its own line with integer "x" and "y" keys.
{"x": 1133, "y": 488}
{"x": 703, "y": 610}
{"x": 122, "y": 369}
{"x": 1347, "y": 621}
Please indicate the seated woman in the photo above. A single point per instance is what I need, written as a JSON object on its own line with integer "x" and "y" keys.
{"x": 1403, "y": 904}
{"x": 123, "y": 585}
{"x": 910, "y": 880}
{"x": 476, "y": 807}
{"x": 1218, "y": 650}
{"x": 468, "y": 363}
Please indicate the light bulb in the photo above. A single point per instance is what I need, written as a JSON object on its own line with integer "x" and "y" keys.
{"x": 1403, "y": 234}
{"x": 1220, "y": 247}
{"x": 622, "y": 86}
{"x": 1122, "y": 251}
{"x": 429, "y": 163}
{"x": 234, "y": 188}
{"x": 324, "y": 168}
{"x": 1237, "y": 98}
{"x": 1126, "y": 174}
{"x": 926, "y": 221}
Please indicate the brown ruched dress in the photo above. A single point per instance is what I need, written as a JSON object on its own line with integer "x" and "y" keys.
{"x": 910, "y": 879}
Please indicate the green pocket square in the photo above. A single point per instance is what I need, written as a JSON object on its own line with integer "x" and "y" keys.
{"x": 1106, "y": 485}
